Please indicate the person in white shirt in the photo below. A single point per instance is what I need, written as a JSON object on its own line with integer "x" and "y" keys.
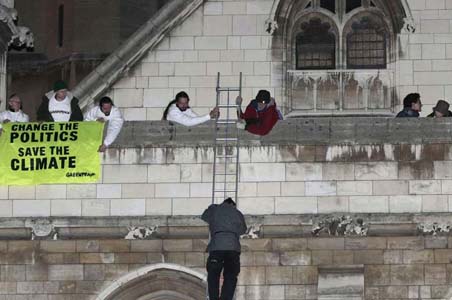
{"x": 59, "y": 105}
{"x": 179, "y": 111}
{"x": 14, "y": 112}
{"x": 106, "y": 111}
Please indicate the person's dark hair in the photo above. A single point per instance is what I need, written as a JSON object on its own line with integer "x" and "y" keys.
{"x": 229, "y": 201}
{"x": 105, "y": 100}
{"x": 178, "y": 96}
{"x": 410, "y": 99}
{"x": 10, "y": 97}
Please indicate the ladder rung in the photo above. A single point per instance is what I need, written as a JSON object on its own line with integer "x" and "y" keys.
{"x": 226, "y": 139}
{"x": 226, "y": 122}
{"x": 226, "y": 156}
{"x": 223, "y": 191}
{"x": 228, "y": 89}
{"x": 225, "y": 174}
{"x": 227, "y": 105}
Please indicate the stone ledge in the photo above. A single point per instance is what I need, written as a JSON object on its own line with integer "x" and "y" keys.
{"x": 269, "y": 226}
{"x": 304, "y": 131}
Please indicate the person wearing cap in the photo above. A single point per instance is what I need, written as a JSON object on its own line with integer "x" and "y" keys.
{"x": 14, "y": 112}
{"x": 440, "y": 110}
{"x": 106, "y": 111}
{"x": 226, "y": 225}
{"x": 59, "y": 105}
{"x": 179, "y": 111}
{"x": 412, "y": 106}
{"x": 261, "y": 114}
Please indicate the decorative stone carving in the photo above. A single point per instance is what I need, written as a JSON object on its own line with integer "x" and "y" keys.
{"x": 141, "y": 232}
{"x": 340, "y": 226}
{"x": 42, "y": 229}
{"x": 23, "y": 37}
{"x": 271, "y": 26}
{"x": 434, "y": 228}
{"x": 252, "y": 232}
{"x": 408, "y": 25}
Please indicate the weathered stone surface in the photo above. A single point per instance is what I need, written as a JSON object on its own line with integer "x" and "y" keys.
{"x": 377, "y": 275}
{"x": 435, "y": 274}
{"x": 407, "y": 274}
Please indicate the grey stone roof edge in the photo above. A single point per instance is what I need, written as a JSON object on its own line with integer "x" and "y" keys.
{"x": 300, "y": 131}
{"x": 134, "y": 48}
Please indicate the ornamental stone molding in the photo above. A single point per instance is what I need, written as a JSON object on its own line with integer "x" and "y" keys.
{"x": 340, "y": 226}
{"x": 141, "y": 232}
{"x": 42, "y": 229}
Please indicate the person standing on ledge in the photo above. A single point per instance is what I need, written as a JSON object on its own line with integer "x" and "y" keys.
{"x": 261, "y": 114}
{"x": 179, "y": 111}
{"x": 59, "y": 105}
{"x": 226, "y": 225}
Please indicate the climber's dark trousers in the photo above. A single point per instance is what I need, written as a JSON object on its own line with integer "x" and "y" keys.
{"x": 229, "y": 263}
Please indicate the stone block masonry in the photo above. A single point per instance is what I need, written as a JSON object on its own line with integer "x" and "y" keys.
{"x": 302, "y": 167}
{"x": 272, "y": 268}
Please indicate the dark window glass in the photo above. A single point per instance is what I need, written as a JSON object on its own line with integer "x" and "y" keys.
{"x": 372, "y": 4}
{"x": 316, "y": 46}
{"x": 308, "y": 5}
{"x": 60, "y": 25}
{"x": 352, "y": 4}
{"x": 329, "y": 4}
{"x": 366, "y": 46}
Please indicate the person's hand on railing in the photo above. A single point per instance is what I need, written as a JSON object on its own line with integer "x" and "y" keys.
{"x": 214, "y": 113}
{"x": 238, "y": 100}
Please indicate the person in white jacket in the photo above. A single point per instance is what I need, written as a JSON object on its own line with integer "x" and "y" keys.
{"x": 106, "y": 111}
{"x": 180, "y": 112}
{"x": 14, "y": 112}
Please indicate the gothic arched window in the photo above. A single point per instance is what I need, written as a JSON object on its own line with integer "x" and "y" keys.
{"x": 366, "y": 45}
{"x": 315, "y": 46}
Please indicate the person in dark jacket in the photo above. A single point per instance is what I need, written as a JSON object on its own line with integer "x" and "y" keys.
{"x": 440, "y": 110}
{"x": 261, "y": 114}
{"x": 411, "y": 106}
{"x": 59, "y": 105}
{"x": 226, "y": 225}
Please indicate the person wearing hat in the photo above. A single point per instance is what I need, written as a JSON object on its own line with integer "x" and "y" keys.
{"x": 441, "y": 110}
{"x": 261, "y": 114}
{"x": 59, "y": 105}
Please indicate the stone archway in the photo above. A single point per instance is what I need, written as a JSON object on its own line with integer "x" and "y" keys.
{"x": 158, "y": 282}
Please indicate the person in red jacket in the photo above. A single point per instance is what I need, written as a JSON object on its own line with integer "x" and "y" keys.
{"x": 261, "y": 114}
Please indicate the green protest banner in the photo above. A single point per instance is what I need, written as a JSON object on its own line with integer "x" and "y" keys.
{"x": 40, "y": 153}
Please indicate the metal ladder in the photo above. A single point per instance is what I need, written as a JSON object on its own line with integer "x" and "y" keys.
{"x": 225, "y": 173}
{"x": 226, "y": 148}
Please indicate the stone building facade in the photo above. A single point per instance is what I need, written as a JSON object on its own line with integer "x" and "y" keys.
{"x": 337, "y": 208}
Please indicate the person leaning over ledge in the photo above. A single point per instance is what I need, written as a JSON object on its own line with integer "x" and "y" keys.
{"x": 411, "y": 106}
{"x": 106, "y": 111}
{"x": 14, "y": 112}
{"x": 59, "y": 105}
{"x": 179, "y": 111}
{"x": 261, "y": 114}
{"x": 440, "y": 110}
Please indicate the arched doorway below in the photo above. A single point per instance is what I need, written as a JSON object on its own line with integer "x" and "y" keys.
{"x": 158, "y": 282}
